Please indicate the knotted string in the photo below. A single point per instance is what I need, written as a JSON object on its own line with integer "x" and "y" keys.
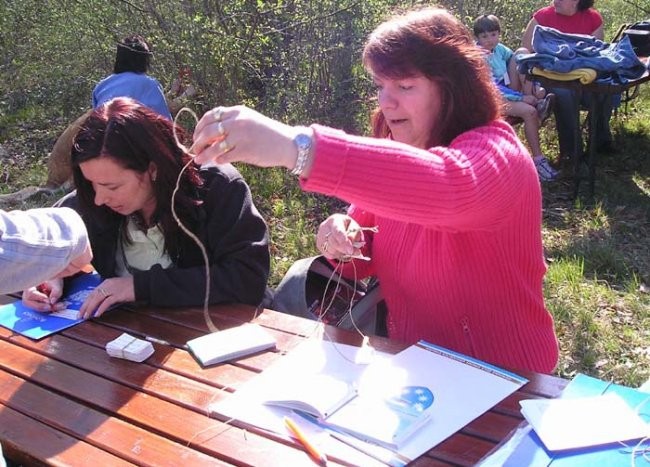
{"x": 206, "y": 299}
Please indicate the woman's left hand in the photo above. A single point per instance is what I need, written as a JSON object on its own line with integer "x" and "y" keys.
{"x": 110, "y": 292}
{"x": 339, "y": 237}
{"x": 240, "y": 134}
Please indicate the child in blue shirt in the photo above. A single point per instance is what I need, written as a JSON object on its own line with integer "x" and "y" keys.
{"x": 522, "y": 98}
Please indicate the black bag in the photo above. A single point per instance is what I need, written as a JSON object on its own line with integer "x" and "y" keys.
{"x": 639, "y": 34}
{"x": 311, "y": 289}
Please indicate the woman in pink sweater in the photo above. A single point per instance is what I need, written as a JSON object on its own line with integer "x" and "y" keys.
{"x": 452, "y": 190}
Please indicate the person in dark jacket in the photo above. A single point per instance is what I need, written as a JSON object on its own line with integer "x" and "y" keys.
{"x": 126, "y": 162}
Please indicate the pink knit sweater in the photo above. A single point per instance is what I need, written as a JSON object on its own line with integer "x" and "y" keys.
{"x": 459, "y": 251}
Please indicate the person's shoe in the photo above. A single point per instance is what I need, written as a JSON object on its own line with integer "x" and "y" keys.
{"x": 545, "y": 172}
{"x": 545, "y": 106}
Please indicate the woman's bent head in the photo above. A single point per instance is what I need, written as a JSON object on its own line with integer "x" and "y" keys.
{"x": 126, "y": 161}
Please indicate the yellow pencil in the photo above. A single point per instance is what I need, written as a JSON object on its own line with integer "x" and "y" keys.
{"x": 297, "y": 433}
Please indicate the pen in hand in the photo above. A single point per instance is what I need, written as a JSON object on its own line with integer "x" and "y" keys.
{"x": 45, "y": 289}
{"x": 297, "y": 433}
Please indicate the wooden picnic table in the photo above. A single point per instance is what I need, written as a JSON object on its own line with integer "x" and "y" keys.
{"x": 64, "y": 401}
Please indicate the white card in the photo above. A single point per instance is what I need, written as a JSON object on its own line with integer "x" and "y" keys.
{"x": 67, "y": 314}
{"x": 582, "y": 422}
{"x": 130, "y": 348}
{"x": 230, "y": 344}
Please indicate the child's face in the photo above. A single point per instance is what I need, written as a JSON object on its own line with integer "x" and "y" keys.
{"x": 488, "y": 40}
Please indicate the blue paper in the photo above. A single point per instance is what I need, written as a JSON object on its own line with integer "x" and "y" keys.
{"x": 530, "y": 451}
{"x": 35, "y": 324}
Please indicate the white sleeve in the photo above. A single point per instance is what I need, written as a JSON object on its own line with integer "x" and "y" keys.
{"x": 37, "y": 244}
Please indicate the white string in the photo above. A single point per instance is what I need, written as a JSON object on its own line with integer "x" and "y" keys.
{"x": 206, "y": 299}
{"x": 639, "y": 450}
{"x": 325, "y": 308}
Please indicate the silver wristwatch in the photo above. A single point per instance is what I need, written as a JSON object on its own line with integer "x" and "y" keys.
{"x": 304, "y": 143}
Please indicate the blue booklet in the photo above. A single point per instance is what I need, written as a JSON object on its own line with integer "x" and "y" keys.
{"x": 36, "y": 325}
{"x": 526, "y": 448}
{"x": 388, "y": 421}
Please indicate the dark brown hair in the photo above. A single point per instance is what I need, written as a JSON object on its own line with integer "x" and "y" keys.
{"x": 134, "y": 136}
{"x": 486, "y": 23}
{"x": 132, "y": 54}
{"x": 431, "y": 42}
{"x": 585, "y": 4}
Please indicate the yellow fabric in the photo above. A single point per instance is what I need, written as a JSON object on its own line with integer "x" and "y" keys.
{"x": 585, "y": 75}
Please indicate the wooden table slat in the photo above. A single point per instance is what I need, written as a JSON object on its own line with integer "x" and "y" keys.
{"x": 109, "y": 434}
{"x": 178, "y": 361}
{"x": 492, "y": 426}
{"x": 29, "y": 442}
{"x": 461, "y": 449}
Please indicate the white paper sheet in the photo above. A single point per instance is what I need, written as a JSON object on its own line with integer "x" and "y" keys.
{"x": 463, "y": 388}
{"x": 588, "y": 421}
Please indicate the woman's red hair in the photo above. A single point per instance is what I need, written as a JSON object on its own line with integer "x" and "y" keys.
{"x": 431, "y": 42}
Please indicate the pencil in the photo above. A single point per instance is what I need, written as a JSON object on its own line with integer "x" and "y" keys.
{"x": 297, "y": 433}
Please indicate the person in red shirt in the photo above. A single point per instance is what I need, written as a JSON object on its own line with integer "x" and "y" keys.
{"x": 452, "y": 190}
{"x": 572, "y": 17}
{"x": 569, "y": 16}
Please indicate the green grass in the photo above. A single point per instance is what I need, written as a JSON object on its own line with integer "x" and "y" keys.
{"x": 598, "y": 251}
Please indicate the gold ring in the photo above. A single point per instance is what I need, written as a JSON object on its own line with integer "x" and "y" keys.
{"x": 325, "y": 245}
{"x": 218, "y": 114}
{"x": 220, "y": 129}
{"x": 327, "y": 235}
{"x": 224, "y": 146}
{"x": 102, "y": 291}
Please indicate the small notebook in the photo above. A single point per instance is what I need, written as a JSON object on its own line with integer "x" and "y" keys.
{"x": 230, "y": 344}
{"x": 335, "y": 404}
{"x": 388, "y": 421}
{"x": 317, "y": 395}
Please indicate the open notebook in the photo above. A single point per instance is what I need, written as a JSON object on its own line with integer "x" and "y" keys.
{"x": 451, "y": 390}
{"x": 386, "y": 419}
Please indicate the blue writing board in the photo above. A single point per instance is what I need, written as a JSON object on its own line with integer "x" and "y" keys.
{"x": 36, "y": 325}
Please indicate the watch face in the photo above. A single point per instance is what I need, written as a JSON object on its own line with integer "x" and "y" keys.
{"x": 303, "y": 141}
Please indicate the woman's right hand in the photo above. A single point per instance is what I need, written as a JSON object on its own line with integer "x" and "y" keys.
{"x": 45, "y": 297}
{"x": 241, "y": 134}
{"x": 339, "y": 236}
